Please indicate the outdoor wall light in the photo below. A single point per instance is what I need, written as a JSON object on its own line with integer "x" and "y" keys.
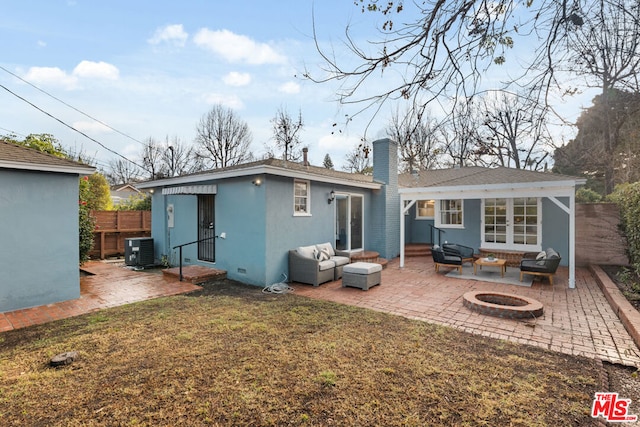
{"x": 332, "y": 197}
{"x": 257, "y": 182}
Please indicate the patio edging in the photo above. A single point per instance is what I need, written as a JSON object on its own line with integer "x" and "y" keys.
{"x": 628, "y": 315}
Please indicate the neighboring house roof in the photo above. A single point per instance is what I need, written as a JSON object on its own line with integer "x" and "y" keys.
{"x": 14, "y": 156}
{"x": 272, "y": 167}
{"x": 125, "y": 187}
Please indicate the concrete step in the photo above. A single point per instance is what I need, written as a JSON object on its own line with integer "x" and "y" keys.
{"x": 417, "y": 249}
{"x": 195, "y": 274}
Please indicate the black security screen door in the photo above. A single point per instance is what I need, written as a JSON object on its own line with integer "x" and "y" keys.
{"x": 206, "y": 228}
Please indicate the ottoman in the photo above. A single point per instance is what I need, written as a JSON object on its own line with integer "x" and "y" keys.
{"x": 361, "y": 275}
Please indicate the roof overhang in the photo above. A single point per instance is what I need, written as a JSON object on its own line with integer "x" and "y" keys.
{"x": 256, "y": 170}
{"x": 525, "y": 189}
{"x": 79, "y": 170}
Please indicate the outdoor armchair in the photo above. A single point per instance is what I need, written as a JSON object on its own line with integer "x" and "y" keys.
{"x": 464, "y": 252}
{"x": 440, "y": 257}
{"x": 543, "y": 263}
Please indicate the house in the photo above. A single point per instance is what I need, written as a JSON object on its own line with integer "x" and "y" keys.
{"x": 123, "y": 193}
{"x": 246, "y": 218}
{"x": 39, "y": 247}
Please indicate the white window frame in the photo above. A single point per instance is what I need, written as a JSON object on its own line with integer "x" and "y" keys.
{"x": 510, "y": 245}
{"x": 438, "y": 216}
{"x": 417, "y": 204}
{"x": 307, "y": 197}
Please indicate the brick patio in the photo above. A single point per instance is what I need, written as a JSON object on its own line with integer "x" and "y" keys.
{"x": 576, "y": 321}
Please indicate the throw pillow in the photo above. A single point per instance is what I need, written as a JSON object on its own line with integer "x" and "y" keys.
{"x": 326, "y": 247}
{"x": 541, "y": 257}
{"x": 320, "y": 255}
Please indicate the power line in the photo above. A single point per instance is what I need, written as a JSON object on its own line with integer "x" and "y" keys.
{"x": 69, "y": 126}
{"x": 71, "y": 106}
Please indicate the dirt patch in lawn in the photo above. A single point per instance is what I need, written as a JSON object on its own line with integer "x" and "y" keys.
{"x": 233, "y": 355}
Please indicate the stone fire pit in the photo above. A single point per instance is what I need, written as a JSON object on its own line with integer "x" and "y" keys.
{"x": 503, "y": 305}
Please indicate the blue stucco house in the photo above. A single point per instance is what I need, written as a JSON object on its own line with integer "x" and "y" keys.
{"x": 251, "y": 215}
{"x": 39, "y": 248}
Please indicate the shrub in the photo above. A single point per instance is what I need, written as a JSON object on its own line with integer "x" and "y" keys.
{"x": 87, "y": 223}
{"x": 587, "y": 195}
{"x": 627, "y": 197}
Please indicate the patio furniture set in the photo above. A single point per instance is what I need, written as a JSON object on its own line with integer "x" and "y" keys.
{"x": 317, "y": 264}
{"x": 544, "y": 263}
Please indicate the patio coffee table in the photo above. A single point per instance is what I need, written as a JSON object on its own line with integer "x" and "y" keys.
{"x": 496, "y": 262}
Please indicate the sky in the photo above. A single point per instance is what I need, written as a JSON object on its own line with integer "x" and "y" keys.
{"x": 154, "y": 68}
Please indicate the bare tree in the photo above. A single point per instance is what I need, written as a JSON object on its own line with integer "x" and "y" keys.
{"x": 151, "y": 158}
{"x": 442, "y": 49}
{"x": 286, "y": 136}
{"x": 460, "y": 136}
{"x": 514, "y": 133}
{"x": 416, "y": 136}
{"x": 223, "y": 138}
{"x": 606, "y": 50}
{"x": 179, "y": 158}
{"x": 358, "y": 160}
{"x": 122, "y": 172}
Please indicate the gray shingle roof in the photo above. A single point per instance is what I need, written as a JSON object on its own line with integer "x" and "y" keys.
{"x": 19, "y": 157}
{"x": 476, "y": 175}
{"x": 275, "y": 163}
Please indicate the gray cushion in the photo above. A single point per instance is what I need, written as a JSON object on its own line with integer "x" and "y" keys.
{"x": 340, "y": 260}
{"x": 362, "y": 268}
{"x": 326, "y": 265}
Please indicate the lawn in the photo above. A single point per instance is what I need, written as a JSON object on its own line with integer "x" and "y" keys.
{"x": 232, "y": 355}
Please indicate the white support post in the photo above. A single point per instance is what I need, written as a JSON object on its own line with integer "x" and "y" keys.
{"x": 572, "y": 241}
{"x": 402, "y": 210}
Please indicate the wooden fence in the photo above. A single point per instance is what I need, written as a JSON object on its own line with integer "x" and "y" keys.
{"x": 112, "y": 227}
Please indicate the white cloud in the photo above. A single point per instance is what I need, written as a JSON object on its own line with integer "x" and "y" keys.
{"x": 171, "y": 34}
{"x": 290, "y": 88}
{"x": 97, "y": 70}
{"x": 237, "y": 79}
{"x": 42, "y": 43}
{"x": 337, "y": 142}
{"x": 237, "y": 48}
{"x": 231, "y": 101}
{"x": 93, "y": 127}
{"x": 51, "y": 76}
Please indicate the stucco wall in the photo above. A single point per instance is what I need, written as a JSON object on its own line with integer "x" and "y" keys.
{"x": 38, "y": 239}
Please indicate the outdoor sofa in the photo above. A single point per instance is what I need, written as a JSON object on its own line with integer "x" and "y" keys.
{"x": 316, "y": 264}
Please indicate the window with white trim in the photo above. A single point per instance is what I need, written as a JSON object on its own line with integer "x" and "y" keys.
{"x": 425, "y": 209}
{"x": 450, "y": 213}
{"x": 301, "y": 197}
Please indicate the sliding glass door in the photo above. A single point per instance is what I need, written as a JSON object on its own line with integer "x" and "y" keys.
{"x": 348, "y": 222}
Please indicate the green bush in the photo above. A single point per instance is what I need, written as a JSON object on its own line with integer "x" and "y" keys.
{"x": 587, "y": 195}
{"x": 87, "y": 223}
{"x": 627, "y": 197}
{"x": 136, "y": 203}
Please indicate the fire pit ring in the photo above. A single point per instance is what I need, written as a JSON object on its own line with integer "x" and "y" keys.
{"x": 503, "y": 305}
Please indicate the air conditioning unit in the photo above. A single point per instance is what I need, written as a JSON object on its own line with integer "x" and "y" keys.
{"x": 138, "y": 251}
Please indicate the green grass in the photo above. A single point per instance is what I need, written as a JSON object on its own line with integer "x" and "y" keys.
{"x": 236, "y": 356}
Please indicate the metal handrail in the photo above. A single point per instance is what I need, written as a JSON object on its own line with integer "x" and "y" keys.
{"x": 187, "y": 244}
{"x": 440, "y": 231}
